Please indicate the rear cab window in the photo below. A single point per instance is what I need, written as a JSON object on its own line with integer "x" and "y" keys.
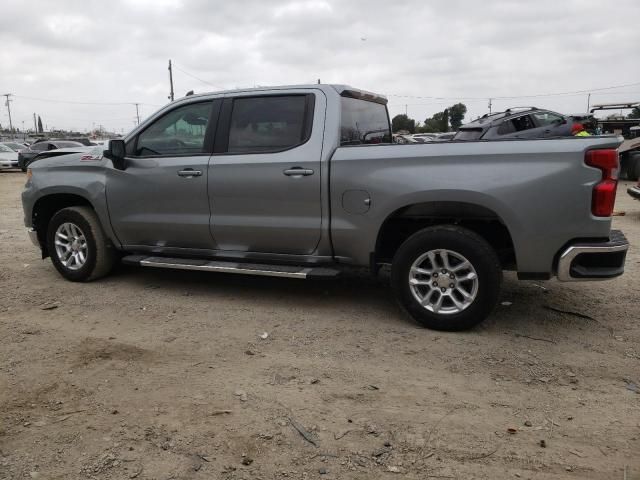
{"x": 363, "y": 122}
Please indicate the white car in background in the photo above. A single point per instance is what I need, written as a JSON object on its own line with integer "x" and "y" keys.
{"x": 8, "y": 158}
{"x": 15, "y": 146}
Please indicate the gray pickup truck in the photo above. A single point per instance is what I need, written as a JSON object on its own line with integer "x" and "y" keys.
{"x": 303, "y": 181}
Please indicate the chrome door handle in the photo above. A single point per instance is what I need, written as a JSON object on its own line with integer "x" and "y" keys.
{"x": 189, "y": 172}
{"x": 298, "y": 172}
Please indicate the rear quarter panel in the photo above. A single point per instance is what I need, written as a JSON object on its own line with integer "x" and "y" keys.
{"x": 541, "y": 189}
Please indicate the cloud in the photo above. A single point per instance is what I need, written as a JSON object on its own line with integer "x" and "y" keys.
{"x": 470, "y": 51}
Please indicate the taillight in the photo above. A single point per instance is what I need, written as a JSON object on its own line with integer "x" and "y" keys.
{"x": 604, "y": 192}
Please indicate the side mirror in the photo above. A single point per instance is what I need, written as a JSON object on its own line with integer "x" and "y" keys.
{"x": 116, "y": 152}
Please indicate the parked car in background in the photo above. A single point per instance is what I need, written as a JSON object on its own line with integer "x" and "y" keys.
{"x": 403, "y": 139}
{"x": 520, "y": 122}
{"x": 423, "y": 137}
{"x": 8, "y": 157}
{"x": 15, "y": 146}
{"x": 444, "y": 137}
{"x": 83, "y": 140}
{"x": 96, "y": 150}
{"x": 28, "y": 154}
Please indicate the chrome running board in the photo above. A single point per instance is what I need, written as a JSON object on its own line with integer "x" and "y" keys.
{"x": 287, "y": 271}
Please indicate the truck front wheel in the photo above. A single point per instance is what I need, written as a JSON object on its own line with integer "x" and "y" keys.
{"x": 446, "y": 277}
{"x": 79, "y": 249}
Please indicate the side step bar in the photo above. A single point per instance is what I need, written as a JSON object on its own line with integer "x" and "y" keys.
{"x": 287, "y": 271}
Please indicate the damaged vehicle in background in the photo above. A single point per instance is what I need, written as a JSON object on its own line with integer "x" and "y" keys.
{"x": 517, "y": 122}
{"x": 28, "y": 154}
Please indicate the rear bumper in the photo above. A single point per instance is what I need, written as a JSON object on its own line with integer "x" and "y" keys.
{"x": 634, "y": 192}
{"x": 594, "y": 260}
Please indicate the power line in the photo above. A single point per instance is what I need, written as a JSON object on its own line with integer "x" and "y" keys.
{"x": 508, "y": 97}
{"x": 197, "y": 78}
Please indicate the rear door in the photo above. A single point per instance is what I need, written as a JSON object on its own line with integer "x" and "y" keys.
{"x": 160, "y": 199}
{"x": 264, "y": 177}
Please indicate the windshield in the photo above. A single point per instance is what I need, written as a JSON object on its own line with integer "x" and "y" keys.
{"x": 5, "y": 149}
{"x": 364, "y": 122}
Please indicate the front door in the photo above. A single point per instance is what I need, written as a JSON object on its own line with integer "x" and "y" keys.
{"x": 264, "y": 179}
{"x": 160, "y": 199}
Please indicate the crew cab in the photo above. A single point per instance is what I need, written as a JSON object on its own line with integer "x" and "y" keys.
{"x": 303, "y": 181}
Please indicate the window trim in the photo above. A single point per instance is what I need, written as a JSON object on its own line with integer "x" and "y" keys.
{"x": 207, "y": 146}
{"x": 221, "y": 143}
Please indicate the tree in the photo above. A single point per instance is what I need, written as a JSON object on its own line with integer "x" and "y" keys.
{"x": 439, "y": 122}
{"x": 403, "y": 122}
{"x": 635, "y": 113}
{"x": 40, "y": 129}
{"x": 456, "y": 115}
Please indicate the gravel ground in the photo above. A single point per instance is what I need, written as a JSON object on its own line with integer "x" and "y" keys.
{"x": 164, "y": 375}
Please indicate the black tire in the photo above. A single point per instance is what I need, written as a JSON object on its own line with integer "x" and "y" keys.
{"x": 461, "y": 242}
{"x": 633, "y": 167}
{"x": 100, "y": 254}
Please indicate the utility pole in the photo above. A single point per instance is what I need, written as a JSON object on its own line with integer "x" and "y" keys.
{"x": 35, "y": 124}
{"x": 490, "y": 105}
{"x": 7, "y": 103}
{"x": 137, "y": 112}
{"x": 170, "y": 84}
{"x": 406, "y": 109}
{"x": 588, "y": 102}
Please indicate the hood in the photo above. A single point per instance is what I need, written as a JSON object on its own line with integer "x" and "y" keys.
{"x": 67, "y": 156}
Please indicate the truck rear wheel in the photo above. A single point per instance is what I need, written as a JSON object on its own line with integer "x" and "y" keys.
{"x": 78, "y": 247}
{"x": 633, "y": 167}
{"x": 446, "y": 277}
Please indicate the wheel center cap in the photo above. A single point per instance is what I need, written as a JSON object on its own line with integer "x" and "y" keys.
{"x": 444, "y": 281}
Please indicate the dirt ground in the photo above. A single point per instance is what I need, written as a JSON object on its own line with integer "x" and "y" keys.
{"x": 154, "y": 374}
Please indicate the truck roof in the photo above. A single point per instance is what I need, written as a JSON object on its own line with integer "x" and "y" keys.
{"x": 343, "y": 90}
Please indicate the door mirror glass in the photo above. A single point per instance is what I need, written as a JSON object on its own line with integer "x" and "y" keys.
{"x": 116, "y": 152}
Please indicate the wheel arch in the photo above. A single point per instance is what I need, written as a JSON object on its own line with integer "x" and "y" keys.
{"x": 408, "y": 219}
{"x": 46, "y": 207}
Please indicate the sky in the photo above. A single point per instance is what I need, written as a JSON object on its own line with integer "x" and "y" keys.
{"x": 82, "y": 63}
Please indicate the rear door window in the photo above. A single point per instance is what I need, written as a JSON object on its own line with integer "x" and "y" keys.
{"x": 524, "y": 122}
{"x": 506, "y": 128}
{"x": 269, "y": 123}
{"x": 364, "y": 122}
